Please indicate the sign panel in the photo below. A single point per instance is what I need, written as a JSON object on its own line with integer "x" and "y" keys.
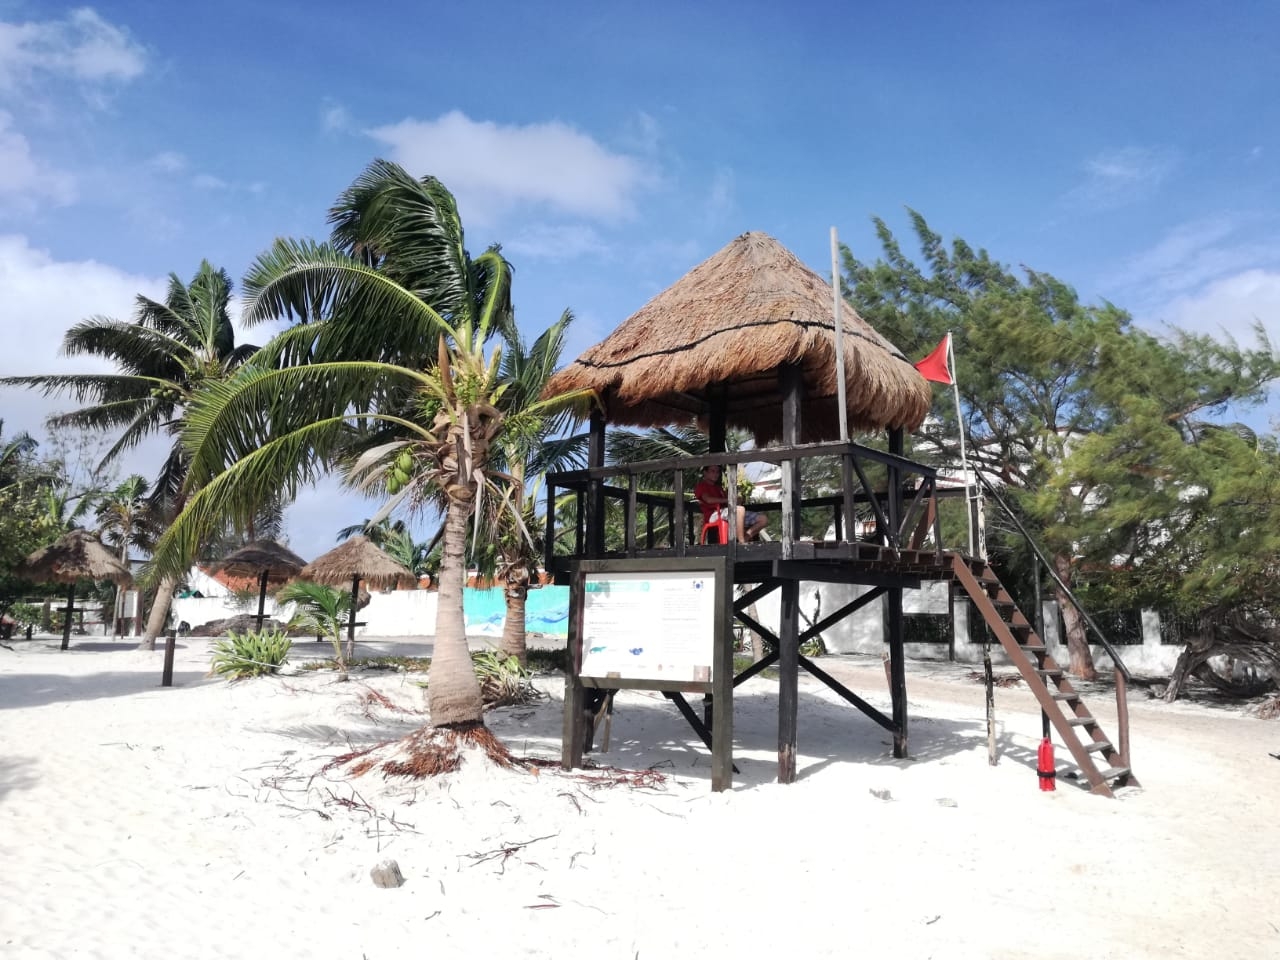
{"x": 652, "y": 625}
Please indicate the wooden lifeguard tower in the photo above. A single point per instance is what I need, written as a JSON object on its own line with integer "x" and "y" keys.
{"x": 746, "y": 340}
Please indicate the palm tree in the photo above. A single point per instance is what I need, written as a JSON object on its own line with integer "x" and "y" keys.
{"x": 390, "y": 358}
{"x": 14, "y": 452}
{"x": 126, "y": 519}
{"x": 321, "y": 608}
{"x": 516, "y": 533}
{"x": 165, "y": 356}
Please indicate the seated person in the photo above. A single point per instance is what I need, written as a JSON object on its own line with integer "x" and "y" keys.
{"x": 712, "y": 498}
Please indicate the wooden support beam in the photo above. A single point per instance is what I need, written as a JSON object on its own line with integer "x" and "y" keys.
{"x": 792, "y": 386}
{"x": 827, "y": 572}
{"x": 595, "y": 498}
{"x": 574, "y": 733}
{"x": 897, "y": 673}
{"x": 788, "y": 680}
{"x": 764, "y": 663}
{"x": 848, "y": 694}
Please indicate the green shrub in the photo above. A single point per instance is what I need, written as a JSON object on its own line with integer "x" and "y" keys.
{"x": 502, "y": 680}
{"x": 250, "y": 654}
{"x": 27, "y": 614}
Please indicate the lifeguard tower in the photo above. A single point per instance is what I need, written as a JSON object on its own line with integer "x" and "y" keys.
{"x": 746, "y": 340}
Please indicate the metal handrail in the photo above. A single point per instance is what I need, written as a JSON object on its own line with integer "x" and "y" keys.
{"x": 1048, "y": 565}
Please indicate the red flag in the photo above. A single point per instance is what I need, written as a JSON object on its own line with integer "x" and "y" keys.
{"x": 935, "y": 367}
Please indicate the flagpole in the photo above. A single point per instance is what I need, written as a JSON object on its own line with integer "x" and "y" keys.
{"x": 841, "y": 402}
{"x": 970, "y": 519}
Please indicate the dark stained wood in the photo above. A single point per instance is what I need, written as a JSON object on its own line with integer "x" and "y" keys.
{"x": 595, "y": 498}
{"x": 764, "y": 663}
{"x": 574, "y": 732}
{"x": 70, "y": 610}
{"x": 632, "y": 491}
{"x": 813, "y": 669}
{"x": 722, "y": 768}
{"x": 897, "y": 671}
{"x": 789, "y": 621}
{"x": 788, "y": 680}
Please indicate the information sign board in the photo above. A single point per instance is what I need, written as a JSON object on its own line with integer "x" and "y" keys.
{"x": 651, "y": 625}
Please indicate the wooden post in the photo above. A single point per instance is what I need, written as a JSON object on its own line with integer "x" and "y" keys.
{"x": 549, "y": 536}
{"x": 262, "y": 597}
{"x": 789, "y": 627}
{"x": 351, "y": 620}
{"x": 574, "y": 729}
{"x": 722, "y": 682}
{"x": 897, "y": 672}
{"x": 991, "y": 702}
{"x": 895, "y": 505}
{"x": 595, "y": 500}
{"x": 170, "y": 644}
{"x": 717, "y": 428}
{"x": 66, "y": 625}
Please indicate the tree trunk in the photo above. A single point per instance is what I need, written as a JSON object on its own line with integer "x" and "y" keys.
{"x": 1080, "y": 660}
{"x": 159, "y": 613}
{"x": 514, "y": 639}
{"x": 453, "y": 692}
{"x": 757, "y": 641}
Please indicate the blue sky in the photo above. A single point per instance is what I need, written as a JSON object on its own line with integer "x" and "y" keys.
{"x": 1130, "y": 149}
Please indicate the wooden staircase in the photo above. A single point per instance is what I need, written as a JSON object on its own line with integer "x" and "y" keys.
{"x": 1076, "y": 727}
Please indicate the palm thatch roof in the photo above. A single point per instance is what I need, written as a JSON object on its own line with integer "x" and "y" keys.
{"x": 76, "y": 555}
{"x": 253, "y": 559}
{"x": 727, "y": 325}
{"x": 357, "y": 557}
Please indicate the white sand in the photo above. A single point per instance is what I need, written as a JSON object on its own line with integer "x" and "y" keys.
{"x": 194, "y": 822}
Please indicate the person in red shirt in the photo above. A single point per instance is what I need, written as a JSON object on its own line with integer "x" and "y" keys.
{"x": 712, "y": 498}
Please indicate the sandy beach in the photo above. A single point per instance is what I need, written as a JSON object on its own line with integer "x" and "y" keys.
{"x": 198, "y": 822}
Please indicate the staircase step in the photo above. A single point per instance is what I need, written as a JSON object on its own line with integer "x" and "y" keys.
{"x": 1097, "y": 746}
{"x": 1055, "y": 672}
{"x": 1082, "y": 721}
{"x": 1112, "y": 772}
{"x": 1067, "y": 696}
{"x": 1034, "y": 648}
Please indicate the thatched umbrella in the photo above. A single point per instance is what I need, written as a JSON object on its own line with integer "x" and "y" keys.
{"x": 355, "y": 560}
{"x": 76, "y": 555}
{"x": 267, "y": 560}
{"x": 724, "y": 329}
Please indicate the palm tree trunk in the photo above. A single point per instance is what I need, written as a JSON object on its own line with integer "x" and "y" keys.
{"x": 453, "y": 693}
{"x": 514, "y": 638}
{"x": 159, "y": 612}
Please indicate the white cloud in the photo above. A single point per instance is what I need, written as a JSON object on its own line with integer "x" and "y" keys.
{"x": 42, "y": 298}
{"x": 1116, "y": 177}
{"x": 555, "y": 242}
{"x": 82, "y": 47}
{"x": 1193, "y": 255}
{"x": 23, "y": 181}
{"x": 492, "y": 168}
{"x": 168, "y": 162}
{"x": 207, "y": 181}
{"x": 334, "y": 117}
{"x": 1231, "y": 305}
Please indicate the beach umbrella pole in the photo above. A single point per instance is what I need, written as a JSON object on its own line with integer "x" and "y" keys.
{"x": 351, "y": 620}
{"x": 66, "y": 626}
{"x": 262, "y": 596}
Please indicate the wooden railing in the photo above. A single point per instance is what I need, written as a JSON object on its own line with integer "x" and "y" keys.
{"x": 664, "y": 519}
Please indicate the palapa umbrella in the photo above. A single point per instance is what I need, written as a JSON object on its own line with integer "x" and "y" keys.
{"x": 719, "y": 335}
{"x": 76, "y": 555}
{"x": 267, "y": 560}
{"x": 357, "y": 559}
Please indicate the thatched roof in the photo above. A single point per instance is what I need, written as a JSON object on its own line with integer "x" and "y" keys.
{"x": 732, "y": 320}
{"x": 357, "y": 557}
{"x": 76, "y": 554}
{"x": 279, "y": 562}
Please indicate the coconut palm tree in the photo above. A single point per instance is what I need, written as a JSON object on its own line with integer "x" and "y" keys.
{"x": 164, "y": 357}
{"x": 391, "y": 358}
{"x": 515, "y": 531}
{"x": 14, "y": 452}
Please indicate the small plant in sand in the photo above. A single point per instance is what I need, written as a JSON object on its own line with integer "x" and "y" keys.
{"x": 502, "y": 680}
{"x": 250, "y": 654}
{"x": 322, "y": 609}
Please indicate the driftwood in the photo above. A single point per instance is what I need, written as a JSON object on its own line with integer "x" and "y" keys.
{"x": 1228, "y": 634}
